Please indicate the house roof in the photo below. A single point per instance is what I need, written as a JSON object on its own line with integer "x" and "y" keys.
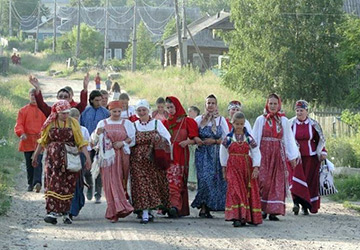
{"x": 201, "y": 29}
{"x": 352, "y": 7}
{"x": 45, "y": 27}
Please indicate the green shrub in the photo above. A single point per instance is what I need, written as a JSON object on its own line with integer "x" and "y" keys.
{"x": 348, "y": 188}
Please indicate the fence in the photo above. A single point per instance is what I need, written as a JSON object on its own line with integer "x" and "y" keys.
{"x": 330, "y": 121}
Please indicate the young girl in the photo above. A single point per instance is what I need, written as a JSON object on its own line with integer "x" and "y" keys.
{"x": 128, "y": 112}
{"x": 193, "y": 112}
{"x": 115, "y": 91}
{"x": 241, "y": 172}
{"x": 160, "y": 113}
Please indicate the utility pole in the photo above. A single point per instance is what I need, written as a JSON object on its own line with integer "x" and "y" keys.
{"x": 77, "y": 53}
{"x": 133, "y": 60}
{"x": 37, "y": 28}
{"x": 54, "y": 24}
{"x": 106, "y": 45}
{"x": 10, "y": 18}
{"x": 179, "y": 33}
{"x": 184, "y": 37}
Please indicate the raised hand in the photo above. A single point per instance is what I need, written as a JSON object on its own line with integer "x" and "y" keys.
{"x": 86, "y": 81}
{"x": 34, "y": 82}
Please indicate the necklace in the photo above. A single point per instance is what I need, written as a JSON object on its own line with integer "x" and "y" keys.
{"x": 145, "y": 123}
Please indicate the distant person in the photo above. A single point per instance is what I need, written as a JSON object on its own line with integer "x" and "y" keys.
{"x": 18, "y": 59}
{"x": 193, "y": 112}
{"x": 14, "y": 58}
{"x": 108, "y": 84}
{"x": 115, "y": 92}
{"x": 62, "y": 94}
{"x": 160, "y": 113}
{"x": 97, "y": 80}
{"x": 104, "y": 98}
{"x": 28, "y": 127}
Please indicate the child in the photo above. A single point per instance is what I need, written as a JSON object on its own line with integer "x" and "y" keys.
{"x": 78, "y": 200}
{"x": 108, "y": 84}
{"x": 115, "y": 89}
{"x": 160, "y": 113}
{"x": 241, "y": 172}
{"x": 97, "y": 80}
{"x": 128, "y": 112}
{"x": 193, "y": 112}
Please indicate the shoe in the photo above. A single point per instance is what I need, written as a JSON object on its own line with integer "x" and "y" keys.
{"x": 273, "y": 217}
{"x": 173, "y": 212}
{"x": 66, "y": 219}
{"x": 202, "y": 214}
{"x": 89, "y": 193}
{"x": 37, "y": 187}
{"x": 144, "y": 221}
{"x": 264, "y": 215}
{"x": 30, "y": 188}
{"x": 97, "y": 200}
{"x": 305, "y": 211}
{"x": 296, "y": 209}
{"x": 114, "y": 220}
{"x": 208, "y": 215}
{"x": 237, "y": 223}
{"x": 51, "y": 218}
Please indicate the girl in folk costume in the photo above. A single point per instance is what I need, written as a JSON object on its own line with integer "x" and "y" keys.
{"x": 233, "y": 107}
{"x": 128, "y": 112}
{"x": 182, "y": 129}
{"x": 115, "y": 136}
{"x": 160, "y": 113}
{"x": 241, "y": 172}
{"x": 273, "y": 135}
{"x": 60, "y": 129}
{"x": 193, "y": 112}
{"x": 149, "y": 186}
{"x": 305, "y": 178}
{"x": 211, "y": 184}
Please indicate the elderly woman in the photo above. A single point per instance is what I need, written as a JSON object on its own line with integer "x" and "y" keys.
{"x": 59, "y": 130}
{"x": 183, "y": 130}
{"x": 211, "y": 183}
{"x": 273, "y": 135}
{"x": 149, "y": 186}
{"x": 114, "y": 157}
{"x": 233, "y": 107}
{"x": 310, "y": 139}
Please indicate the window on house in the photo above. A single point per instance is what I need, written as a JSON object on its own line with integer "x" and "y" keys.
{"x": 214, "y": 60}
{"x": 45, "y": 36}
{"x": 216, "y": 35}
{"x": 30, "y": 37}
{"x": 118, "y": 54}
{"x": 109, "y": 54}
{"x": 63, "y": 20}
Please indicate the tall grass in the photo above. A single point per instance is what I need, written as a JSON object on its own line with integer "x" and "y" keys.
{"x": 41, "y": 61}
{"x": 348, "y": 187}
{"x": 13, "y": 92}
{"x": 191, "y": 88}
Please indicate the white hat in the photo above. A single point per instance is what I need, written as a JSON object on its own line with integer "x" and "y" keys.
{"x": 143, "y": 103}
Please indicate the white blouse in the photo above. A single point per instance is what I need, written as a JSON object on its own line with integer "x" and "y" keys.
{"x": 86, "y": 135}
{"x": 151, "y": 126}
{"x": 129, "y": 127}
{"x": 292, "y": 151}
{"x": 129, "y": 112}
{"x": 219, "y": 120}
{"x": 254, "y": 153}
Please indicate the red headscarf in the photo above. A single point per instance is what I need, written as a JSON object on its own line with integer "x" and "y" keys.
{"x": 279, "y": 112}
{"x": 114, "y": 105}
{"x": 59, "y": 106}
{"x": 180, "y": 112}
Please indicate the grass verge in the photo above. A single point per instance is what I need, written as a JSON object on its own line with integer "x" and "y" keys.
{"x": 13, "y": 92}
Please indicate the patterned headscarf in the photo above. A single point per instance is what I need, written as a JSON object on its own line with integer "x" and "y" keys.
{"x": 180, "y": 112}
{"x": 209, "y": 117}
{"x": 234, "y": 104}
{"x": 278, "y": 113}
{"x": 302, "y": 104}
{"x": 114, "y": 104}
{"x": 59, "y": 106}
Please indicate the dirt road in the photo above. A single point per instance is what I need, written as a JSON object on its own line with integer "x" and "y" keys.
{"x": 335, "y": 227}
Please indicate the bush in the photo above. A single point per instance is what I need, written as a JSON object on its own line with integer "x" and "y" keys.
{"x": 348, "y": 187}
{"x": 342, "y": 151}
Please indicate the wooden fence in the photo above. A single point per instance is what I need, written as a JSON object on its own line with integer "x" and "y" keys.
{"x": 330, "y": 121}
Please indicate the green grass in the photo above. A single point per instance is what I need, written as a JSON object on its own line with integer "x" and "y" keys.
{"x": 348, "y": 187}
{"x": 13, "y": 91}
{"x": 41, "y": 61}
{"x": 352, "y": 206}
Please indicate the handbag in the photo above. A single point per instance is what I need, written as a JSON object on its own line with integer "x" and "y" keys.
{"x": 327, "y": 186}
{"x": 161, "y": 151}
{"x": 73, "y": 161}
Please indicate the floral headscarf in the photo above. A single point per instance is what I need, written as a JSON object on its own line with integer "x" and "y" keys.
{"x": 180, "y": 112}
{"x": 59, "y": 106}
{"x": 210, "y": 117}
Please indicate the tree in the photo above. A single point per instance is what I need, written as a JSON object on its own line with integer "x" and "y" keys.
{"x": 210, "y": 6}
{"x": 288, "y": 47}
{"x": 91, "y": 42}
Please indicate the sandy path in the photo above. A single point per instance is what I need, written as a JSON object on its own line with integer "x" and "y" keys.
{"x": 335, "y": 227}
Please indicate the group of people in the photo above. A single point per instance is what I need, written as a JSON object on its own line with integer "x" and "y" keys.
{"x": 242, "y": 170}
{"x": 16, "y": 59}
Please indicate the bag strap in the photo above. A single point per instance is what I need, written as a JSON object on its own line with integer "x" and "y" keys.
{"x": 177, "y": 133}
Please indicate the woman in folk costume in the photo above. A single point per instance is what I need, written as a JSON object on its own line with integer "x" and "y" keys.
{"x": 241, "y": 171}
{"x": 211, "y": 184}
{"x": 149, "y": 186}
{"x": 234, "y": 107}
{"x": 115, "y": 136}
{"x": 60, "y": 129}
{"x": 273, "y": 135}
{"x": 182, "y": 129}
{"x": 305, "y": 178}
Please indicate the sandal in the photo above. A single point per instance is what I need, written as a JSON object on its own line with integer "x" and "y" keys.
{"x": 273, "y": 217}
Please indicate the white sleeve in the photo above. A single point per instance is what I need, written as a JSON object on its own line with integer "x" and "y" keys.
{"x": 248, "y": 127}
{"x": 224, "y": 155}
{"x": 198, "y": 120}
{"x": 224, "y": 126}
{"x": 94, "y": 135}
{"x": 257, "y": 129}
{"x": 86, "y": 136}
{"x": 130, "y": 130}
{"x": 292, "y": 151}
{"x": 163, "y": 131}
{"x": 256, "y": 156}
